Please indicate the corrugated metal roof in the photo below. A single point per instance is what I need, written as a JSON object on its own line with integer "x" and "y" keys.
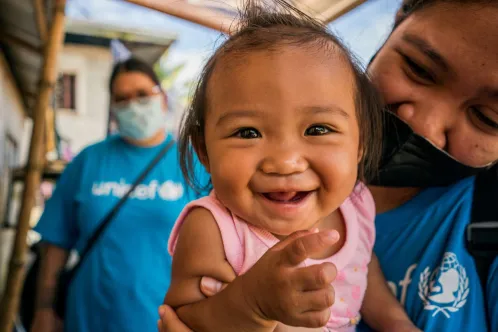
{"x": 22, "y": 44}
{"x": 325, "y": 10}
{"x": 220, "y": 14}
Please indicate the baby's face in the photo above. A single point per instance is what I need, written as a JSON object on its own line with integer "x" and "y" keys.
{"x": 282, "y": 136}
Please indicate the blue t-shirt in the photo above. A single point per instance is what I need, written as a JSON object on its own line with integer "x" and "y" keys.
{"x": 492, "y": 296}
{"x": 421, "y": 249}
{"x": 126, "y": 275}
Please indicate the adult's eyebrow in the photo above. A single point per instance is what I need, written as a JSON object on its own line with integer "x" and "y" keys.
{"x": 490, "y": 91}
{"x": 424, "y": 47}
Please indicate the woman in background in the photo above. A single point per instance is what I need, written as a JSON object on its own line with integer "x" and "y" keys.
{"x": 126, "y": 274}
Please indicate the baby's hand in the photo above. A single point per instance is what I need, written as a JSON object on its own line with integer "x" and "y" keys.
{"x": 277, "y": 289}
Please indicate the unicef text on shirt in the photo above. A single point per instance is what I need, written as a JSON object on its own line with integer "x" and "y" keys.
{"x": 167, "y": 191}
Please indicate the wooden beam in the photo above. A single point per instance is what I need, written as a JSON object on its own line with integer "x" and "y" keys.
{"x": 15, "y": 279}
{"x": 203, "y": 16}
{"x": 15, "y": 41}
{"x": 41, "y": 19}
{"x": 340, "y": 8}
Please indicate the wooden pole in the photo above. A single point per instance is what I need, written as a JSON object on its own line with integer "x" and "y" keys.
{"x": 50, "y": 144}
{"x": 196, "y": 14}
{"x": 10, "y": 300}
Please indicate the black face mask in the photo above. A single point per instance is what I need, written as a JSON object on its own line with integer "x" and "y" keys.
{"x": 410, "y": 160}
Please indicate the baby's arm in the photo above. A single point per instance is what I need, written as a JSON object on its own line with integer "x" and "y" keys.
{"x": 199, "y": 252}
{"x": 380, "y": 309}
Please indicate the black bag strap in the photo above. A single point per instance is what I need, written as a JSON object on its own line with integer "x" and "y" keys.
{"x": 110, "y": 216}
{"x": 482, "y": 232}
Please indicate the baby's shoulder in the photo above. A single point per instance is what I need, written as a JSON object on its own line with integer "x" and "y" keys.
{"x": 200, "y": 214}
{"x": 212, "y": 206}
{"x": 362, "y": 201}
{"x": 196, "y": 223}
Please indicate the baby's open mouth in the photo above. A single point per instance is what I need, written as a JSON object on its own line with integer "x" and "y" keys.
{"x": 287, "y": 196}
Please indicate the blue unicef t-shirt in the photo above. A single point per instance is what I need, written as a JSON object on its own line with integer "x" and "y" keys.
{"x": 124, "y": 279}
{"x": 421, "y": 249}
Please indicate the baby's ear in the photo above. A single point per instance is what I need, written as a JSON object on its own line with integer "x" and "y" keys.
{"x": 205, "y": 162}
{"x": 361, "y": 154}
{"x": 200, "y": 150}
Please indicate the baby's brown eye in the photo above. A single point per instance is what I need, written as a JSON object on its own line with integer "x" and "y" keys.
{"x": 317, "y": 131}
{"x": 247, "y": 133}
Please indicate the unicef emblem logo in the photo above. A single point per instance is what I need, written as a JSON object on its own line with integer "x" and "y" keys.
{"x": 445, "y": 290}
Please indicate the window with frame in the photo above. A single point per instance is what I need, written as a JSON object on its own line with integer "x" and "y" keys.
{"x": 66, "y": 92}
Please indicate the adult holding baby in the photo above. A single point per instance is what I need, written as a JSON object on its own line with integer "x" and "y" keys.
{"x": 439, "y": 79}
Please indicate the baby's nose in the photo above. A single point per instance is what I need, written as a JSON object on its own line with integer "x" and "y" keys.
{"x": 284, "y": 163}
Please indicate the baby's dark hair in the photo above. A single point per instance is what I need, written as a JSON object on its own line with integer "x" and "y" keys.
{"x": 409, "y": 7}
{"x": 265, "y": 27}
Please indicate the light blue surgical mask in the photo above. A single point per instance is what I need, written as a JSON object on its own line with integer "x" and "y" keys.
{"x": 141, "y": 118}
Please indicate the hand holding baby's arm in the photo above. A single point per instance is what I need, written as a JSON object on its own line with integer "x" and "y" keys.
{"x": 199, "y": 252}
{"x": 275, "y": 289}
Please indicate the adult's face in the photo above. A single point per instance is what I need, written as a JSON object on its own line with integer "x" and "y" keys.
{"x": 439, "y": 72}
{"x": 134, "y": 85}
{"x": 139, "y": 106}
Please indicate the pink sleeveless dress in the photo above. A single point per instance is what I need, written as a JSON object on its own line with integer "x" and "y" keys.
{"x": 244, "y": 244}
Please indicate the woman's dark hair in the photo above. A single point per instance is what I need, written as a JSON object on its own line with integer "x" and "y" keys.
{"x": 132, "y": 65}
{"x": 265, "y": 27}
{"x": 408, "y": 7}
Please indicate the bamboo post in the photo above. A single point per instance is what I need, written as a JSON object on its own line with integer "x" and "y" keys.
{"x": 10, "y": 300}
{"x": 50, "y": 144}
{"x": 196, "y": 14}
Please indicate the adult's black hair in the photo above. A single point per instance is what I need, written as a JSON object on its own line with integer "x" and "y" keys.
{"x": 132, "y": 65}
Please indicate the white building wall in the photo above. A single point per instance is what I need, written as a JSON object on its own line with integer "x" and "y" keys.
{"x": 92, "y": 66}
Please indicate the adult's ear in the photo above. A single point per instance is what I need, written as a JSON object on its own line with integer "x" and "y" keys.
{"x": 165, "y": 101}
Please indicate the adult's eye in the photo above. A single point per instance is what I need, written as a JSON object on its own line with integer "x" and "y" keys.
{"x": 317, "y": 130}
{"x": 484, "y": 119}
{"x": 418, "y": 70}
{"x": 119, "y": 99}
